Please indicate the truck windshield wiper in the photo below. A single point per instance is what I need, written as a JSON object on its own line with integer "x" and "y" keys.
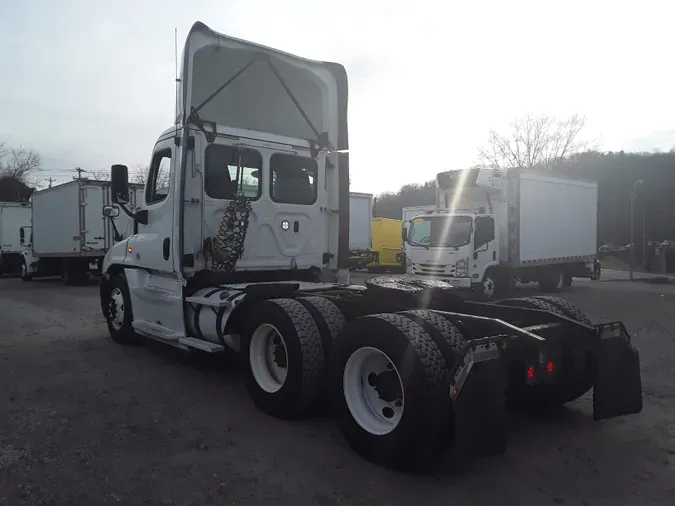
{"x": 418, "y": 244}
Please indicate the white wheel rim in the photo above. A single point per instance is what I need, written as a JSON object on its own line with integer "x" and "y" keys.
{"x": 488, "y": 287}
{"x": 268, "y": 357}
{"x": 116, "y": 307}
{"x": 24, "y": 270}
{"x": 375, "y": 401}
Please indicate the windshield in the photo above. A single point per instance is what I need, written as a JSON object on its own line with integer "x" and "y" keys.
{"x": 443, "y": 231}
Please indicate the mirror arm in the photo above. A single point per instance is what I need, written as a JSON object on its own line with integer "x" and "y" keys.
{"x": 126, "y": 211}
{"x": 117, "y": 236}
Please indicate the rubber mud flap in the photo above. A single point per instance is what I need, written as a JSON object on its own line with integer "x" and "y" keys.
{"x": 618, "y": 384}
{"x": 480, "y": 425}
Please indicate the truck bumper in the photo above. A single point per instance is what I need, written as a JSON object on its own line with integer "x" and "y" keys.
{"x": 618, "y": 384}
{"x": 456, "y": 282}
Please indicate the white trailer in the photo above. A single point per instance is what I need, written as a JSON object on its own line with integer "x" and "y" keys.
{"x": 69, "y": 234}
{"x": 242, "y": 248}
{"x": 13, "y": 216}
{"x": 493, "y": 227}
{"x": 360, "y": 217}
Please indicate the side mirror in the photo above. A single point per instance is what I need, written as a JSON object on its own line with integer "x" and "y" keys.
{"x": 119, "y": 183}
{"x": 111, "y": 211}
{"x": 404, "y": 232}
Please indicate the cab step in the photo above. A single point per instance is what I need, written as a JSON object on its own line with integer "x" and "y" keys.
{"x": 200, "y": 344}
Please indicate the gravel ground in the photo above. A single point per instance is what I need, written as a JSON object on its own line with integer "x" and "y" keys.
{"x": 89, "y": 422}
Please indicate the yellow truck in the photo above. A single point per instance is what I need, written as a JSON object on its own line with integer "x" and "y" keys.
{"x": 387, "y": 245}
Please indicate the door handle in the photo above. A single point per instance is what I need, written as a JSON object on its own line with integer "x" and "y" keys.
{"x": 166, "y": 246}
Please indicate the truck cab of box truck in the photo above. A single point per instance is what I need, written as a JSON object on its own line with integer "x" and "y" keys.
{"x": 459, "y": 241}
{"x": 251, "y": 185}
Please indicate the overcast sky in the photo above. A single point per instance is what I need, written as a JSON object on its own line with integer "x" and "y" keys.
{"x": 90, "y": 83}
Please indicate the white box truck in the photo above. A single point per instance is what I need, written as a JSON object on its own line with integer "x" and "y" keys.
{"x": 68, "y": 234}
{"x": 360, "y": 230}
{"x": 493, "y": 227}
{"x": 13, "y": 216}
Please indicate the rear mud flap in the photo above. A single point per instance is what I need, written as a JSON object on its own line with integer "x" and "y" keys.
{"x": 618, "y": 384}
{"x": 477, "y": 390}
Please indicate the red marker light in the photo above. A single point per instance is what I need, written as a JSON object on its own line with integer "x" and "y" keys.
{"x": 530, "y": 372}
{"x": 550, "y": 367}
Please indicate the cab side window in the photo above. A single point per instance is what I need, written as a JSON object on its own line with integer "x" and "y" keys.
{"x": 159, "y": 177}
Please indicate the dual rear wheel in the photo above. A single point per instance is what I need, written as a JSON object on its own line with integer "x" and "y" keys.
{"x": 386, "y": 375}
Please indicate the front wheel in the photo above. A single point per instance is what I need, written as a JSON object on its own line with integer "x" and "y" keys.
{"x": 25, "y": 276}
{"x": 489, "y": 288}
{"x": 116, "y": 304}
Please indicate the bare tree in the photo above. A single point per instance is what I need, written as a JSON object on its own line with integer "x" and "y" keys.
{"x": 18, "y": 163}
{"x": 535, "y": 141}
{"x": 139, "y": 174}
{"x": 100, "y": 175}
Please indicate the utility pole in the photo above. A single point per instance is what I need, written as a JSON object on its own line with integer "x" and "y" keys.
{"x": 50, "y": 181}
{"x": 79, "y": 173}
{"x": 633, "y": 197}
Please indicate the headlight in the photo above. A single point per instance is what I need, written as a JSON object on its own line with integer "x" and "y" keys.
{"x": 462, "y": 268}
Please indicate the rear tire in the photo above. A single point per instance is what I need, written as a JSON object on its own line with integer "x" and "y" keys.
{"x": 532, "y": 303}
{"x": 450, "y": 342}
{"x": 569, "y": 310}
{"x": 283, "y": 358}
{"x": 391, "y": 375}
{"x": 74, "y": 273}
{"x": 551, "y": 280}
{"x": 330, "y": 321}
{"x": 578, "y": 361}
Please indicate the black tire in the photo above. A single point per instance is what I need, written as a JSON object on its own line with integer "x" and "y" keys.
{"x": 569, "y": 310}
{"x": 74, "y": 273}
{"x": 416, "y": 443}
{"x": 450, "y": 342}
{"x": 327, "y": 315}
{"x": 546, "y": 397}
{"x": 490, "y": 287}
{"x": 124, "y": 334}
{"x": 551, "y": 280}
{"x": 330, "y": 321}
{"x": 24, "y": 271}
{"x": 305, "y": 358}
{"x": 532, "y": 303}
{"x": 567, "y": 280}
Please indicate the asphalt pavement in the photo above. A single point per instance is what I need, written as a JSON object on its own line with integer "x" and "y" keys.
{"x": 89, "y": 422}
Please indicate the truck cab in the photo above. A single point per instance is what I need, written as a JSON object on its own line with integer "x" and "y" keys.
{"x": 250, "y": 185}
{"x": 459, "y": 240}
{"x": 455, "y": 247}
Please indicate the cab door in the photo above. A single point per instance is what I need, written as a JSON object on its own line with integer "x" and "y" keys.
{"x": 154, "y": 283}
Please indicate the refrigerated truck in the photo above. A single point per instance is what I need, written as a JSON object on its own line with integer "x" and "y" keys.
{"x": 68, "y": 234}
{"x": 13, "y": 215}
{"x": 492, "y": 227}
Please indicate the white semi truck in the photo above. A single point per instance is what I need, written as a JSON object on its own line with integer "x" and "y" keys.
{"x": 491, "y": 227}
{"x": 67, "y": 233}
{"x": 245, "y": 253}
{"x": 13, "y": 216}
